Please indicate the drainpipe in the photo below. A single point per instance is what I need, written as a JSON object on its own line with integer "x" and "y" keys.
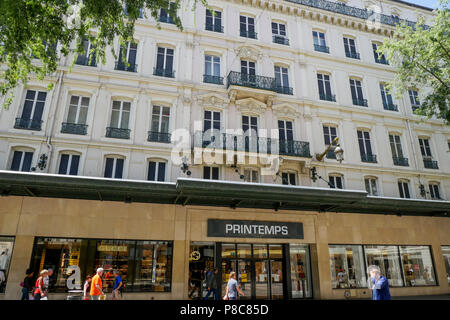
{"x": 52, "y": 125}
{"x": 412, "y": 147}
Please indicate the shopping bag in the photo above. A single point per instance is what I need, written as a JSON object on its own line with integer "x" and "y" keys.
{"x": 44, "y": 298}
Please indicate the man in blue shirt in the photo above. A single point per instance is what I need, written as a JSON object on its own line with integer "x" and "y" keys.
{"x": 379, "y": 284}
{"x": 117, "y": 285}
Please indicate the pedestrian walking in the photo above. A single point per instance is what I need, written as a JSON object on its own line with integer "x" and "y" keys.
{"x": 47, "y": 280}
{"x": 27, "y": 285}
{"x": 378, "y": 283}
{"x": 233, "y": 288}
{"x": 212, "y": 284}
{"x": 39, "y": 292}
{"x": 87, "y": 287}
{"x": 96, "y": 285}
{"x": 118, "y": 284}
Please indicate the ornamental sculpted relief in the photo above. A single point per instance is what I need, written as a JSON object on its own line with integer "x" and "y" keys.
{"x": 247, "y": 52}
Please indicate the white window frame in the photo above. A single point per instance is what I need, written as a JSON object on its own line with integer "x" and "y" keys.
{"x": 78, "y": 106}
{"x": 121, "y": 111}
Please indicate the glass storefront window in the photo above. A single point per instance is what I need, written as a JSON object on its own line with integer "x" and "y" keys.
{"x": 387, "y": 258}
{"x": 260, "y": 251}
{"x": 300, "y": 271}
{"x": 201, "y": 261}
{"x": 244, "y": 251}
{"x": 446, "y": 254}
{"x": 417, "y": 266}
{"x": 347, "y": 266}
{"x": 6, "y": 248}
{"x": 228, "y": 251}
{"x": 143, "y": 265}
{"x": 275, "y": 251}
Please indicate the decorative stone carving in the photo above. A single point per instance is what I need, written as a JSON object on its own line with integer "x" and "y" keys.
{"x": 247, "y": 52}
{"x": 251, "y": 105}
{"x": 232, "y": 95}
{"x": 285, "y": 111}
{"x": 213, "y": 100}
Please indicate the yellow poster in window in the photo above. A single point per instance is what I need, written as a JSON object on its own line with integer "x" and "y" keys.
{"x": 244, "y": 277}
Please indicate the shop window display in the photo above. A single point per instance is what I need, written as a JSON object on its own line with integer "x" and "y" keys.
{"x": 347, "y": 267}
{"x": 387, "y": 258}
{"x": 300, "y": 271}
{"x": 417, "y": 266}
{"x": 201, "y": 260}
{"x": 446, "y": 254}
{"x": 143, "y": 265}
{"x": 6, "y": 248}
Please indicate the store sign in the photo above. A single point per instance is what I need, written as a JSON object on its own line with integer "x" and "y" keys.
{"x": 254, "y": 229}
{"x": 112, "y": 248}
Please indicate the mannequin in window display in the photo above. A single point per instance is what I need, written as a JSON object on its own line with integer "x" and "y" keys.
{"x": 342, "y": 278}
{"x": 378, "y": 284}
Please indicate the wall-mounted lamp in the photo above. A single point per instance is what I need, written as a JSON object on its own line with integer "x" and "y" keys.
{"x": 338, "y": 151}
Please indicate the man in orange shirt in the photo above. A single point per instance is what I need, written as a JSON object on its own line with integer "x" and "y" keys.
{"x": 96, "y": 285}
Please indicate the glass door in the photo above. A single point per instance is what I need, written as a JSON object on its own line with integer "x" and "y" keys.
{"x": 245, "y": 278}
{"x": 276, "y": 284}
{"x": 261, "y": 280}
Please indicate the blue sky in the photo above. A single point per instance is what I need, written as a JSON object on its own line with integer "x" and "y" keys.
{"x": 425, "y": 3}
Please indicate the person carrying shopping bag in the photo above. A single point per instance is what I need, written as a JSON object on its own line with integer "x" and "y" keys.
{"x": 39, "y": 292}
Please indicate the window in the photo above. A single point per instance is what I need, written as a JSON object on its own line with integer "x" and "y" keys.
{"x": 160, "y": 119}
{"x": 336, "y": 182}
{"x": 300, "y": 271}
{"x": 211, "y": 120}
{"x": 319, "y": 42}
{"x": 417, "y": 266}
{"x": 288, "y": 178}
{"x": 388, "y": 103}
{"x": 22, "y": 160}
{"x": 371, "y": 186}
{"x": 446, "y": 254}
{"x": 120, "y": 115}
{"x": 130, "y": 51}
{"x": 211, "y": 173}
{"x": 69, "y": 164}
{"x": 247, "y": 27}
{"x": 6, "y": 249}
{"x": 387, "y": 259}
{"x": 347, "y": 267}
{"x": 425, "y": 147}
{"x": 403, "y": 189}
{"x": 248, "y": 70}
{"x": 413, "y": 98}
{"x": 285, "y": 130}
{"x": 365, "y": 147}
{"x": 143, "y": 265}
{"x": 329, "y": 134}
{"x": 32, "y": 111}
{"x": 212, "y": 70}
{"x": 78, "y": 110}
{"x": 164, "y": 63}
{"x": 350, "y": 48}
{"x": 250, "y": 125}
{"x": 379, "y": 58}
{"x": 279, "y": 33}
{"x": 88, "y": 58}
{"x": 325, "y": 87}
{"x": 397, "y": 153}
{"x": 213, "y": 21}
{"x": 282, "y": 80}
{"x": 114, "y": 168}
{"x": 156, "y": 171}
{"x": 357, "y": 94}
{"x": 434, "y": 191}
{"x": 164, "y": 15}
{"x": 251, "y": 175}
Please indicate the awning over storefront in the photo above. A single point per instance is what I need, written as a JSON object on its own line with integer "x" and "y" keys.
{"x": 214, "y": 193}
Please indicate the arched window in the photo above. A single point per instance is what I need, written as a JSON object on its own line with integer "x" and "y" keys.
{"x": 403, "y": 188}
{"x": 434, "y": 190}
{"x": 371, "y": 184}
{"x": 157, "y": 170}
{"x": 114, "y": 166}
{"x": 336, "y": 181}
{"x": 68, "y": 163}
{"x": 21, "y": 159}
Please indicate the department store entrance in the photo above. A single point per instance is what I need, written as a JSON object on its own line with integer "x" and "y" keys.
{"x": 261, "y": 269}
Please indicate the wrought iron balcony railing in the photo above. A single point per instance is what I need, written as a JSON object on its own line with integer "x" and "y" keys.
{"x": 327, "y": 97}
{"x": 390, "y": 106}
{"x": 430, "y": 164}
{"x": 284, "y": 90}
{"x": 366, "y": 14}
{"x": 255, "y": 144}
{"x": 74, "y": 128}
{"x": 360, "y": 102}
{"x": 162, "y": 137}
{"x": 28, "y": 124}
{"x": 382, "y": 60}
{"x": 400, "y": 161}
{"x": 249, "y": 34}
{"x": 212, "y": 79}
{"x": 84, "y": 61}
{"x": 124, "y": 67}
{"x": 415, "y": 107}
{"x": 280, "y": 39}
{"x": 214, "y": 27}
{"x": 251, "y": 81}
{"x": 168, "y": 73}
{"x": 353, "y": 55}
{"x": 166, "y": 19}
{"x": 118, "y": 133}
{"x": 321, "y": 48}
{"x": 369, "y": 158}
{"x": 294, "y": 148}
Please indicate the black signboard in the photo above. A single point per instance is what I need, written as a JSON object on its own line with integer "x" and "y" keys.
{"x": 254, "y": 229}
